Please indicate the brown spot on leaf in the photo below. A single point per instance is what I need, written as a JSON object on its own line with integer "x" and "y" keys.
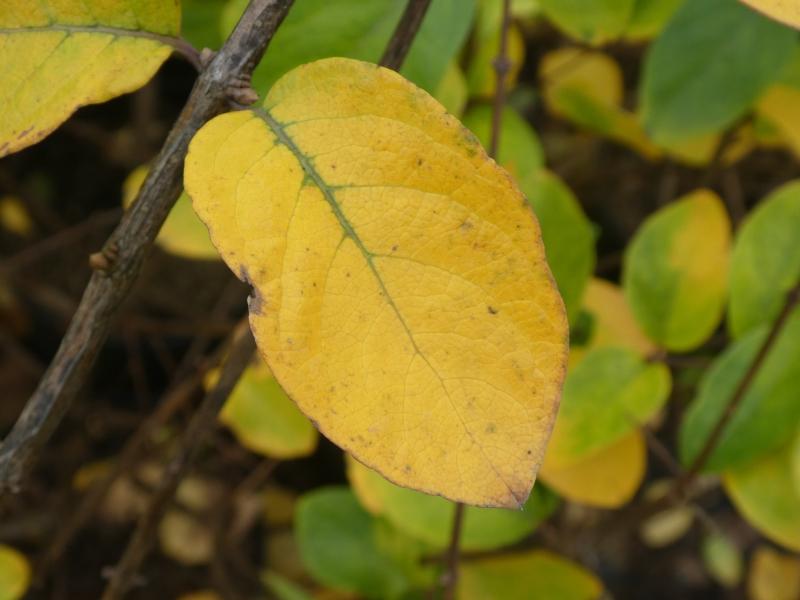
{"x": 492, "y": 310}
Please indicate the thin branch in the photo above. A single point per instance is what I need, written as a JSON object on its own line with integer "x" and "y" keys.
{"x": 398, "y": 47}
{"x": 792, "y": 300}
{"x": 502, "y": 65}
{"x": 199, "y": 430}
{"x": 174, "y": 399}
{"x": 120, "y": 262}
{"x": 453, "y": 554}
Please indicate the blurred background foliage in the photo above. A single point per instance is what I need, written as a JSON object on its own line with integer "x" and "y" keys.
{"x": 658, "y": 143}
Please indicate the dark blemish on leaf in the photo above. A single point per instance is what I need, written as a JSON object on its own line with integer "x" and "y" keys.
{"x": 407, "y": 468}
{"x": 491, "y": 428}
{"x": 255, "y": 303}
{"x": 466, "y": 226}
{"x": 24, "y": 132}
{"x": 492, "y": 310}
{"x": 347, "y": 274}
{"x": 419, "y": 162}
{"x": 530, "y": 452}
{"x": 394, "y": 248}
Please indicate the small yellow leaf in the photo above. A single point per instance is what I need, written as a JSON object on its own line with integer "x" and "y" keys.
{"x": 785, "y": 11}
{"x": 773, "y": 575}
{"x": 400, "y": 290}
{"x": 15, "y": 573}
{"x": 183, "y": 233}
{"x": 56, "y": 56}
{"x": 586, "y": 88}
{"x": 780, "y": 107}
{"x": 667, "y": 526}
{"x": 264, "y": 419}
{"x": 14, "y": 216}
{"x": 607, "y": 479}
{"x": 185, "y": 538}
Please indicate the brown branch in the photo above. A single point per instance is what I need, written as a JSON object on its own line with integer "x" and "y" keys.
{"x": 453, "y": 554}
{"x": 126, "y": 248}
{"x": 398, "y": 47}
{"x": 173, "y": 401}
{"x": 792, "y": 300}
{"x": 502, "y": 66}
{"x": 199, "y": 430}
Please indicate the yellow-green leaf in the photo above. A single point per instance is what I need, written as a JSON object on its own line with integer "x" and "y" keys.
{"x": 773, "y": 575}
{"x": 590, "y": 21}
{"x": 15, "y": 573}
{"x": 785, "y": 11}
{"x": 586, "y": 88}
{"x": 430, "y": 518}
{"x": 676, "y": 271}
{"x": 607, "y": 479}
{"x": 765, "y": 493}
{"x": 183, "y": 233}
{"x": 56, "y": 56}
{"x": 722, "y": 559}
{"x": 606, "y": 396}
{"x": 537, "y": 575}
{"x": 264, "y": 419}
{"x": 481, "y": 74}
{"x": 401, "y": 295}
{"x": 611, "y": 322}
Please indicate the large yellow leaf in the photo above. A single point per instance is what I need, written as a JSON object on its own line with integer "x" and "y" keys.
{"x": 56, "y": 56}
{"x": 785, "y": 11}
{"x": 401, "y": 294}
{"x": 773, "y": 575}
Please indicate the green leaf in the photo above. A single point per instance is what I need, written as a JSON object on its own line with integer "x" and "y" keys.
{"x": 722, "y": 559}
{"x": 429, "y": 518}
{"x": 344, "y": 547}
{"x": 536, "y": 575}
{"x": 201, "y": 23}
{"x": 708, "y": 66}
{"x": 769, "y": 412}
{"x": 675, "y": 271}
{"x": 265, "y": 420}
{"x": 360, "y": 29}
{"x": 765, "y": 263}
{"x": 606, "y": 396}
{"x": 591, "y": 21}
{"x": 764, "y": 492}
{"x": 567, "y": 234}
{"x": 283, "y": 588}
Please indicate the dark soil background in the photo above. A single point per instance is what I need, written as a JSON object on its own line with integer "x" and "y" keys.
{"x": 181, "y": 309}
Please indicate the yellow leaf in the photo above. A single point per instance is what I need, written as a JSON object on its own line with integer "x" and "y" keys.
{"x": 401, "y": 294}
{"x": 785, "y": 11}
{"x": 607, "y": 479}
{"x": 264, "y": 419}
{"x": 773, "y": 575}
{"x": 14, "y": 216}
{"x": 586, "y": 88}
{"x": 667, "y": 526}
{"x": 779, "y": 106}
{"x": 183, "y": 233}
{"x": 56, "y": 56}
{"x": 15, "y": 573}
